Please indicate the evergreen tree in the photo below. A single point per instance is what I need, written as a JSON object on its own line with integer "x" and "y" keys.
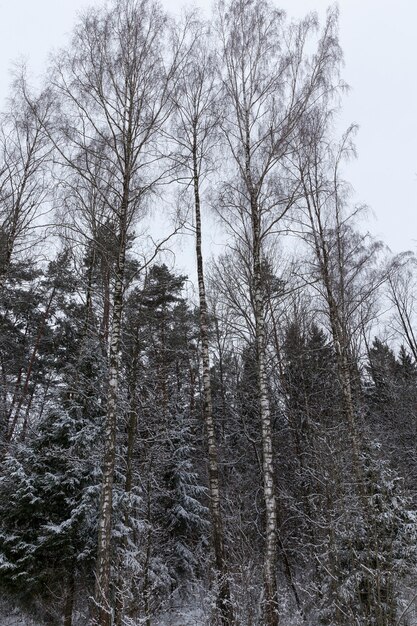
{"x": 49, "y": 481}
{"x": 49, "y": 500}
{"x": 391, "y": 401}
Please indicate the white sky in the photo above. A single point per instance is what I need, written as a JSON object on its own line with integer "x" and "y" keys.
{"x": 379, "y": 43}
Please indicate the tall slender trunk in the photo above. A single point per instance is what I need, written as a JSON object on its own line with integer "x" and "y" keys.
{"x": 105, "y": 321}
{"x": 343, "y": 368}
{"x": 26, "y": 418}
{"x": 15, "y": 395}
{"x": 222, "y": 381}
{"x": 224, "y": 604}
{"x": 296, "y": 436}
{"x": 147, "y": 592}
{"x": 89, "y": 295}
{"x": 69, "y": 600}
{"x": 103, "y": 609}
{"x": 270, "y": 558}
{"x": 338, "y": 330}
{"x": 133, "y": 418}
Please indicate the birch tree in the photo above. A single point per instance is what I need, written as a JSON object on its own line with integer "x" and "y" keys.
{"x": 196, "y": 130}
{"x": 343, "y": 264}
{"x": 24, "y": 156}
{"x": 269, "y": 80}
{"x": 343, "y": 258}
{"x": 114, "y": 85}
{"x": 401, "y": 284}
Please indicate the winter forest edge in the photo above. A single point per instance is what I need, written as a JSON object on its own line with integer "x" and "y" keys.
{"x": 242, "y": 453}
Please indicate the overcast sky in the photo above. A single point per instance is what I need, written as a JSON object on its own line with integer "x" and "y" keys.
{"x": 379, "y": 43}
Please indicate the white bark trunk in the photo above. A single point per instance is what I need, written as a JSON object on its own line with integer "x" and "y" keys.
{"x": 103, "y": 609}
{"x": 270, "y": 558}
{"x": 223, "y": 593}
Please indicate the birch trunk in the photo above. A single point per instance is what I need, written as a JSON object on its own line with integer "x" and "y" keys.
{"x": 224, "y": 604}
{"x": 270, "y": 558}
{"x": 103, "y": 609}
{"x": 337, "y": 328}
{"x": 115, "y": 82}
{"x": 267, "y": 94}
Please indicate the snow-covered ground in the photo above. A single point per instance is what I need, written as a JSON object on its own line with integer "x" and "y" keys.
{"x": 183, "y": 617}
{"x": 16, "y": 620}
{"x": 178, "y": 618}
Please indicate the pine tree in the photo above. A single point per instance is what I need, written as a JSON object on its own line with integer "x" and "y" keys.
{"x": 51, "y": 478}
{"x": 48, "y": 514}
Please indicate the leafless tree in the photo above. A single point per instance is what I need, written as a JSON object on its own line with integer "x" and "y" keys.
{"x": 113, "y": 88}
{"x": 402, "y": 293}
{"x": 269, "y": 81}
{"x": 195, "y": 133}
{"x": 24, "y": 153}
{"x": 343, "y": 259}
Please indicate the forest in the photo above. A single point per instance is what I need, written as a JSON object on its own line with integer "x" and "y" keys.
{"x": 236, "y": 447}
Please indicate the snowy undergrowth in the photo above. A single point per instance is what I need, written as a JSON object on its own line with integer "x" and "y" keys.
{"x": 14, "y": 619}
{"x": 183, "y": 617}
